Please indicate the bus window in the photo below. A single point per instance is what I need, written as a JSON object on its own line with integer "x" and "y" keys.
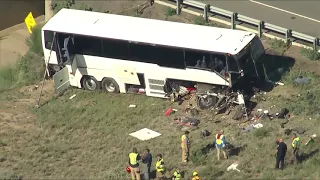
{"x": 116, "y": 49}
{"x": 88, "y": 45}
{"x": 143, "y": 53}
{"x": 169, "y": 57}
{"x": 48, "y": 39}
{"x": 197, "y": 59}
{"x": 232, "y": 64}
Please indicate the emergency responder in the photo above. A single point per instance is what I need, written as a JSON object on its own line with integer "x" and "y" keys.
{"x": 195, "y": 176}
{"x": 185, "y": 146}
{"x": 160, "y": 174}
{"x": 176, "y": 175}
{"x": 134, "y": 157}
{"x": 146, "y": 160}
{"x": 281, "y": 151}
{"x": 295, "y": 146}
{"x": 220, "y": 144}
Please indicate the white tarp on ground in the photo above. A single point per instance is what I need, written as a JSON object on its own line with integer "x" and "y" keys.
{"x": 145, "y": 134}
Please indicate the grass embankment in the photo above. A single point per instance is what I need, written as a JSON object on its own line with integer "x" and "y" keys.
{"x": 87, "y": 137}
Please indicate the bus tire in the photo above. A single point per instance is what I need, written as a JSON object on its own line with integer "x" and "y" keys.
{"x": 110, "y": 85}
{"x": 90, "y": 83}
{"x": 207, "y": 102}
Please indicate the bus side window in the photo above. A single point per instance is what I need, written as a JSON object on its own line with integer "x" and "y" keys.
{"x": 116, "y": 49}
{"x": 170, "y": 57}
{"x": 48, "y": 39}
{"x": 143, "y": 53}
{"x": 88, "y": 45}
{"x": 232, "y": 64}
{"x": 197, "y": 59}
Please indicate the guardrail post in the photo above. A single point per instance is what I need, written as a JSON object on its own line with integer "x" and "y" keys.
{"x": 233, "y": 20}
{"x": 288, "y": 36}
{"x": 260, "y": 28}
{"x": 315, "y": 44}
{"x": 178, "y": 7}
{"x": 205, "y": 12}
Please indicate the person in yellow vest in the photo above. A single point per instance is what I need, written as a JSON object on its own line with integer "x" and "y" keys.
{"x": 195, "y": 176}
{"x": 176, "y": 175}
{"x": 185, "y": 146}
{"x": 295, "y": 146}
{"x": 160, "y": 174}
{"x": 220, "y": 144}
{"x": 134, "y": 159}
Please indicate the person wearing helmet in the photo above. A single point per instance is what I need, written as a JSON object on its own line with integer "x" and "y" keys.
{"x": 195, "y": 176}
{"x": 176, "y": 175}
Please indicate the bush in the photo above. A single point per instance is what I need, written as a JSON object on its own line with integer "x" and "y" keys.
{"x": 171, "y": 12}
{"x": 201, "y": 21}
{"x": 311, "y": 54}
{"x": 262, "y": 132}
{"x": 34, "y": 42}
{"x": 58, "y": 5}
{"x": 278, "y": 45}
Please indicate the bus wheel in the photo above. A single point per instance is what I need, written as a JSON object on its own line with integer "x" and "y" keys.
{"x": 206, "y": 102}
{"x": 90, "y": 83}
{"x": 110, "y": 85}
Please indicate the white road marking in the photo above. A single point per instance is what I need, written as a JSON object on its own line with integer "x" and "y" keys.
{"x": 299, "y": 15}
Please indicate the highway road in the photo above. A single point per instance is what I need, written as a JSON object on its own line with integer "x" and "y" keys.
{"x": 302, "y": 16}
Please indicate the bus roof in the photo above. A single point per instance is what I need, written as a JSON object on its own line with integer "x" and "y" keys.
{"x": 151, "y": 31}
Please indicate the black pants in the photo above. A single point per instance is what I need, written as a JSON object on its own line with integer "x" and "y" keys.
{"x": 280, "y": 161}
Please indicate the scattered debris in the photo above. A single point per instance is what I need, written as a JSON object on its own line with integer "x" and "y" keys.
{"x": 192, "y": 112}
{"x": 258, "y": 126}
{"x": 301, "y": 80}
{"x": 186, "y": 123}
{"x": 251, "y": 127}
{"x": 233, "y": 166}
{"x": 169, "y": 111}
{"x": 145, "y": 134}
{"x": 73, "y": 96}
{"x": 205, "y": 133}
{"x": 132, "y": 105}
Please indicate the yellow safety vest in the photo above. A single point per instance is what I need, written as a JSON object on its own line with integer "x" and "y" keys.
{"x": 133, "y": 158}
{"x": 196, "y": 178}
{"x": 297, "y": 139}
{"x": 219, "y": 141}
{"x": 159, "y": 166}
{"x": 177, "y": 175}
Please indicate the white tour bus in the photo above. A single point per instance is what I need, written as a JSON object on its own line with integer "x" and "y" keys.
{"x": 116, "y": 53}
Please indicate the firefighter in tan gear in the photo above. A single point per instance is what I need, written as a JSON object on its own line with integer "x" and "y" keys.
{"x": 134, "y": 157}
{"x": 185, "y": 146}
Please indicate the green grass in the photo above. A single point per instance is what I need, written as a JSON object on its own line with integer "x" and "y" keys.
{"x": 278, "y": 45}
{"x": 171, "y": 12}
{"x": 311, "y": 54}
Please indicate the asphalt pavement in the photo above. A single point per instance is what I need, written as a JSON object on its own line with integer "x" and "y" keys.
{"x": 301, "y": 16}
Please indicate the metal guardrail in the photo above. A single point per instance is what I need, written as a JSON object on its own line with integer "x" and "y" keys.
{"x": 235, "y": 18}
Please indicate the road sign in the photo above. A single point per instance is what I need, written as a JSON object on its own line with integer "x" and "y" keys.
{"x": 30, "y": 22}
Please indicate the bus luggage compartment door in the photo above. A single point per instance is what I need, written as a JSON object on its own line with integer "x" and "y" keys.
{"x": 61, "y": 80}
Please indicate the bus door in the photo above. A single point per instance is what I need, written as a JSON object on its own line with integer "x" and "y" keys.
{"x": 66, "y": 55}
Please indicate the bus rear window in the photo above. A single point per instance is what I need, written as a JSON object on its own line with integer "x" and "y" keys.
{"x": 48, "y": 39}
